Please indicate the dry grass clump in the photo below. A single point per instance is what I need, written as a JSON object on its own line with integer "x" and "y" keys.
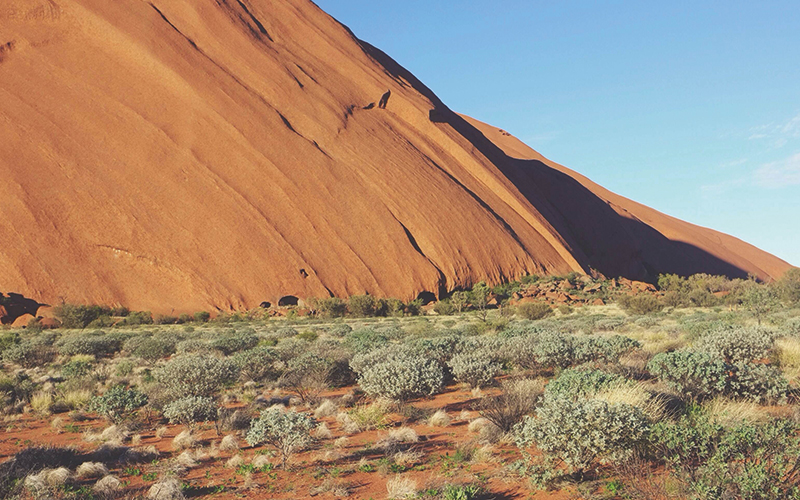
{"x": 77, "y": 399}
{"x": 729, "y": 413}
{"x": 184, "y": 440}
{"x": 161, "y": 432}
{"x": 41, "y": 402}
{"x": 168, "y": 489}
{"x": 439, "y": 419}
{"x": 341, "y": 442}
{"x": 401, "y": 487}
{"x": 634, "y": 395}
{"x": 322, "y": 431}
{"x": 408, "y": 458}
{"x": 186, "y": 459}
{"x": 229, "y": 443}
{"x": 487, "y": 431}
{"x": 57, "y": 424}
{"x": 234, "y": 462}
{"x": 326, "y": 409}
{"x": 260, "y": 461}
{"x": 401, "y": 435}
{"x": 788, "y": 353}
{"x": 107, "y": 487}
{"x": 91, "y": 470}
{"x": 39, "y": 484}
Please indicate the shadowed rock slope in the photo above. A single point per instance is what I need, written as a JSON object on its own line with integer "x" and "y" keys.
{"x": 195, "y": 154}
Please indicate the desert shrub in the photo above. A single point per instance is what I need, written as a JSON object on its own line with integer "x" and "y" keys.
{"x": 30, "y": 353}
{"x": 736, "y": 344}
{"x": 404, "y": 376}
{"x": 195, "y": 375}
{"x": 789, "y": 286}
{"x": 18, "y": 388}
{"x": 307, "y": 376}
{"x": 757, "y": 382}
{"x": 694, "y": 374}
{"x": 332, "y": 307}
{"x": 118, "y": 402}
{"x": 79, "y": 316}
{"x": 192, "y": 346}
{"x": 288, "y": 432}
{"x": 191, "y": 409}
{"x": 518, "y": 398}
{"x": 607, "y": 349}
{"x": 476, "y": 368}
{"x": 444, "y": 308}
{"x": 552, "y": 349}
{"x": 235, "y": 342}
{"x": 257, "y": 364}
{"x": 76, "y": 368}
{"x": 534, "y": 310}
{"x": 750, "y": 460}
{"x": 97, "y": 344}
{"x": 151, "y": 348}
{"x": 339, "y": 330}
{"x": 7, "y": 340}
{"x": 138, "y": 318}
{"x": 365, "y": 339}
{"x": 640, "y": 303}
{"x": 363, "y": 306}
{"x": 579, "y": 383}
{"x": 202, "y": 316}
{"x": 579, "y": 434}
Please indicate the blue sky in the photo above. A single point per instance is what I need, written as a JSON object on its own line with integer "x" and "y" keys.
{"x": 692, "y": 108}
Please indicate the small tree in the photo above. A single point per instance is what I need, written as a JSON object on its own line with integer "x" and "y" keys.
{"x": 759, "y": 300}
{"x": 190, "y": 410}
{"x": 479, "y": 298}
{"x": 288, "y": 432}
{"x": 307, "y": 376}
{"x": 459, "y": 300}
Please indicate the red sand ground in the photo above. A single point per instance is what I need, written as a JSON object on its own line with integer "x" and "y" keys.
{"x": 308, "y": 470}
{"x": 201, "y": 154}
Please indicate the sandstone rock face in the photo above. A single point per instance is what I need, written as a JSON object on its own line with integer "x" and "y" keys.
{"x": 198, "y": 155}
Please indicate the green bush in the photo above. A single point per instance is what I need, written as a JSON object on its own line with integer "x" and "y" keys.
{"x": 365, "y": 339}
{"x": 641, "y": 303}
{"x": 736, "y": 344}
{"x": 757, "y": 382}
{"x": 191, "y": 409}
{"x": 403, "y": 376}
{"x": 340, "y": 330}
{"x": 76, "y": 369}
{"x": 195, "y": 375}
{"x": 363, "y": 306}
{"x": 552, "y": 349}
{"x": 750, "y": 460}
{"x": 307, "y": 376}
{"x": 96, "y": 344}
{"x": 580, "y": 383}
{"x": 534, "y": 310}
{"x": 476, "y": 368}
{"x": 117, "y": 403}
{"x": 30, "y": 353}
{"x": 606, "y": 349}
{"x": 332, "y": 307}
{"x": 235, "y": 342}
{"x": 79, "y": 316}
{"x": 444, "y": 308}
{"x": 139, "y": 318}
{"x": 696, "y": 375}
{"x": 287, "y": 431}
{"x": 151, "y": 348}
{"x": 580, "y": 435}
{"x": 202, "y": 316}
{"x": 257, "y": 364}
{"x": 18, "y": 388}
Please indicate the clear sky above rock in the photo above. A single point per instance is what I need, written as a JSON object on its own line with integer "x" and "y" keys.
{"x": 692, "y": 108}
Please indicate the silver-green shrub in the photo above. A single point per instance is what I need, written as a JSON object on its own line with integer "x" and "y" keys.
{"x": 578, "y": 383}
{"x": 195, "y": 375}
{"x": 402, "y": 375}
{"x": 477, "y": 369}
{"x": 257, "y": 364}
{"x": 694, "y": 374}
{"x": 287, "y": 431}
{"x": 579, "y": 434}
{"x": 758, "y": 382}
{"x": 96, "y": 344}
{"x": 736, "y": 344}
{"x": 191, "y": 409}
